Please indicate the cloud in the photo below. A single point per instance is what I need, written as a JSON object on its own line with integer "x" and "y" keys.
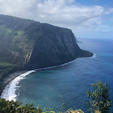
{"x": 66, "y": 13}
{"x": 109, "y": 11}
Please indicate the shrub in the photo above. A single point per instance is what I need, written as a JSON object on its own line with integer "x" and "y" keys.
{"x": 99, "y": 100}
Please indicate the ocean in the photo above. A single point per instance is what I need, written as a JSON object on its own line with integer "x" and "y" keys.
{"x": 65, "y": 87}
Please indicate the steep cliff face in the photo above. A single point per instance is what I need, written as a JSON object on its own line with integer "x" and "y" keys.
{"x": 32, "y": 45}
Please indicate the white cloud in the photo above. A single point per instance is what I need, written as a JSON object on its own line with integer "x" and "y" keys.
{"x": 104, "y": 28}
{"x": 64, "y": 13}
{"x": 109, "y": 11}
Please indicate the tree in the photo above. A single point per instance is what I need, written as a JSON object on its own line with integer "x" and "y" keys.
{"x": 17, "y": 107}
{"x": 99, "y": 100}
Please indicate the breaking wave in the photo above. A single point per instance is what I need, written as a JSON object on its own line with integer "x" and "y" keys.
{"x": 9, "y": 93}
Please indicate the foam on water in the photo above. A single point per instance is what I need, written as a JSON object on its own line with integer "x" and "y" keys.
{"x": 94, "y": 55}
{"x": 9, "y": 93}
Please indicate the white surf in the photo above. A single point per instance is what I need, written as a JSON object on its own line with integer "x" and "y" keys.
{"x": 9, "y": 93}
{"x": 94, "y": 55}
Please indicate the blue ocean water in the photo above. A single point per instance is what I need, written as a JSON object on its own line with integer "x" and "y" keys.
{"x": 65, "y": 87}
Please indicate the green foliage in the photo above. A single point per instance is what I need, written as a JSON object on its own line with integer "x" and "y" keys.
{"x": 15, "y": 46}
{"x": 16, "y": 107}
{"x": 5, "y": 65}
{"x": 99, "y": 98}
{"x": 6, "y": 68}
{"x": 15, "y": 50}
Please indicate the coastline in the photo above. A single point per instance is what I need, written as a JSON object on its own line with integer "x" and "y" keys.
{"x": 9, "y": 92}
{"x": 14, "y": 75}
{"x": 8, "y": 79}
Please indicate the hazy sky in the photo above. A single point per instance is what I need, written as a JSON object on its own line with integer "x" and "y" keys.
{"x": 87, "y": 18}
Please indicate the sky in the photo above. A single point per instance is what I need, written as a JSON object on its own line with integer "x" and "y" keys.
{"x": 86, "y": 18}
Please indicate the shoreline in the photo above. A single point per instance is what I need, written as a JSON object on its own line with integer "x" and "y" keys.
{"x": 13, "y": 75}
{"x": 9, "y": 92}
{"x": 9, "y": 78}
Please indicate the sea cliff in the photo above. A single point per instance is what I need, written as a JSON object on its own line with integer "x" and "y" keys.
{"x": 27, "y": 44}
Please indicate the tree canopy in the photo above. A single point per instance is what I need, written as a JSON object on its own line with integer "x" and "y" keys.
{"x": 99, "y": 100}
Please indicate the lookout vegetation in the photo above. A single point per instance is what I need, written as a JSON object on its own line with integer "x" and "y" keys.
{"x": 98, "y": 102}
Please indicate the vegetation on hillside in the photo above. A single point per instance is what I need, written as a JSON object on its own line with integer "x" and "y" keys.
{"x": 17, "y": 107}
{"x": 99, "y": 102}
{"x": 6, "y": 68}
{"x": 14, "y": 46}
{"x": 15, "y": 49}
